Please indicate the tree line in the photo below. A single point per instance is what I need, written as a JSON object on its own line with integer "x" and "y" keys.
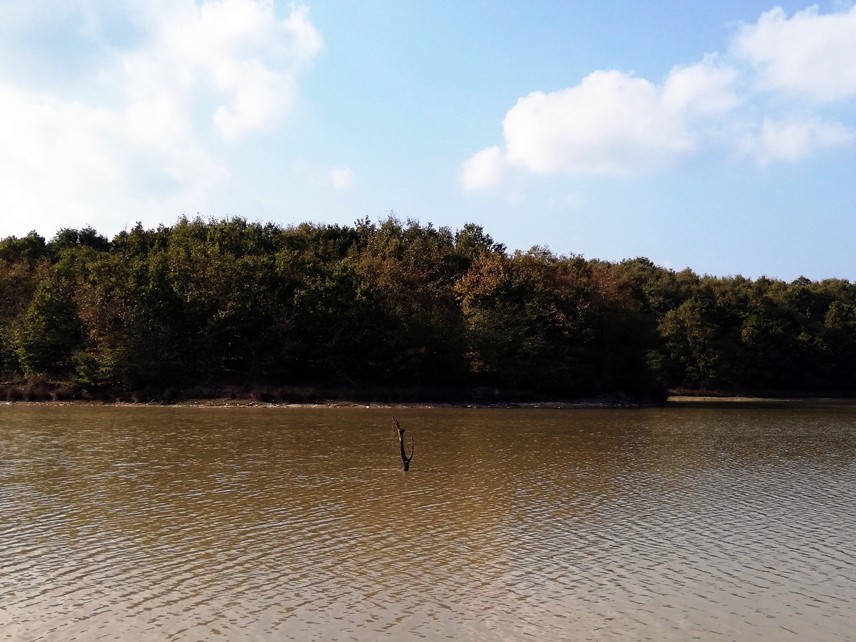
{"x": 394, "y": 305}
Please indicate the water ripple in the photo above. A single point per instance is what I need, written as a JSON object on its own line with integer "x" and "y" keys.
{"x": 186, "y": 524}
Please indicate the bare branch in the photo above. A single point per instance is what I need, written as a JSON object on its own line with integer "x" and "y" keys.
{"x": 405, "y": 460}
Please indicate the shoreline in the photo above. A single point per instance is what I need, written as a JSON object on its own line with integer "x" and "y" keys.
{"x": 249, "y": 403}
{"x": 269, "y": 395}
{"x": 592, "y": 404}
{"x": 230, "y": 395}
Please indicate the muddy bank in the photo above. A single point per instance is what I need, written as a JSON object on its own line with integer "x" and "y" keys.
{"x": 58, "y": 392}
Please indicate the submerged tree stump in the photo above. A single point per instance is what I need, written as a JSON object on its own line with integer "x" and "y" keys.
{"x": 405, "y": 460}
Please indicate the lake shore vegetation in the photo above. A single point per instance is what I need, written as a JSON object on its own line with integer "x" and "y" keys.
{"x": 396, "y": 312}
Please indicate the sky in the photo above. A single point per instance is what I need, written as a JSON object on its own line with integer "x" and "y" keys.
{"x": 719, "y": 136}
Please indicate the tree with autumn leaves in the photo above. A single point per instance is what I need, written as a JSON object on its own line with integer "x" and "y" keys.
{"x": 401, "y": 305}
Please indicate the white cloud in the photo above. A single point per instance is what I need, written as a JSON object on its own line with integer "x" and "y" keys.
{"x": 616, "y": 123}
{"x": 612, "y": 123}
{"x": 68, "y": 164}
{"x": 706, "y": 88}
{"x": 236, "y": 49}
{"x": 809, "y": 54}
{"x": 131, "y": 143}
{"x": 341, "y": 178}
{"x": 483, "y": 170}
{"x": 791, "y": 140}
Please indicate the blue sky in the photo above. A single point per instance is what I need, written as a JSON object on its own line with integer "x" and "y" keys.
{"x": 719, "y": 136}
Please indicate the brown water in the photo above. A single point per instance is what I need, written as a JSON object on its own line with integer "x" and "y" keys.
{"x": 723, "y": 523}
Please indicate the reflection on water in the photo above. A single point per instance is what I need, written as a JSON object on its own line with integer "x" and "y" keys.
{"x": 284, "y": 523}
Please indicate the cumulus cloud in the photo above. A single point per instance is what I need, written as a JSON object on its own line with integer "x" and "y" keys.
{"x": 70, "y": 164}
{"x": 131, "y": 134}
{"x": 612, "y": 123}
{"x": 791, "y": 140}
{"x": 237, "y": 49}
{"x": 809, "y": 54}
{"x": 483, "y": 170}
{"x": 616, "y": 123}
{"x": 706, "y": 88}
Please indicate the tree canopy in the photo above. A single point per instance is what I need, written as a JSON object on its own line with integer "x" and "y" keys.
{"x": 402, "y": 305}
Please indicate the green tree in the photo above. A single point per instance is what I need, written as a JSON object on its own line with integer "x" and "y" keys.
{"x": 50, "y": 329}
{"x": 28, "y": 250}
{"x": 839, "y": 325}
{"x": 692, "y": 345}
{"x": 336, "y": 319}
{"x": 411, "y": 269}
{"x": 18, "y": 282}
{"x": 525, "y": 319}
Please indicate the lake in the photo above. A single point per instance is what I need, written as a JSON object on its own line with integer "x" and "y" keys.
{"x": 708, "y": 522}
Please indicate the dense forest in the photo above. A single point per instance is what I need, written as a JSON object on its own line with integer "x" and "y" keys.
{"x": 396, "y": 311}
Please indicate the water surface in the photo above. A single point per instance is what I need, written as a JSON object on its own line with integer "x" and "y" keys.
{"x": 710, "y": 523}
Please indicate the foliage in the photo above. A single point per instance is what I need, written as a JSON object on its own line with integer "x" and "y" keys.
{"x": 401, "y": 305}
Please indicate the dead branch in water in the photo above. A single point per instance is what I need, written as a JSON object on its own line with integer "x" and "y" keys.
{"x": 404, "y": 458}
